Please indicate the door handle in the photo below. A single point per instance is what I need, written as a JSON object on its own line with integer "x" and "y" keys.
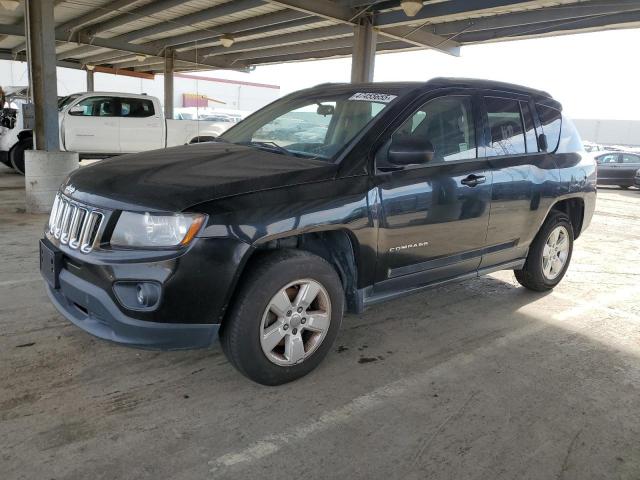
{"x": 473, "y": 180}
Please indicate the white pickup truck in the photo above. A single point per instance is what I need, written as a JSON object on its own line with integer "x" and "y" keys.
{"x": 102, "y": 124}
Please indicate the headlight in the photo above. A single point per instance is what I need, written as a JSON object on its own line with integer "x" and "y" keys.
{"x": 147, "y": 230}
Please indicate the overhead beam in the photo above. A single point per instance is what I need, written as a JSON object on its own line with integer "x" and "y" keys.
{"x": 275, "y": 20}
{"x": 320, "y": 8}
{"x": 421, "y": 38}
{"x": 107, "y": 56}
{"x": 115, "y": 44}
{"x": 145, "y": 63}
{"x": 452, "y": 7}
{"x": 199, "y": 16}
{"x": 124, "y": 73}
{"x": 384, "y": 47}
{"x": 133, "y": 15}
{"x": 531, "y": 17}
{"x": 558, "y": 27}
{"x": 313, "y": 34}
{"x": 335, "y": 43}
{"x": 77, "y": 52}
{"x": 337, "y": 12}
{"x": 69, "y": 27}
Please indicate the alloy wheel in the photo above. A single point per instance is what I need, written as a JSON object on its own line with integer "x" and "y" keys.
{"x": 295, "y": 322}
{"x": 555, "y": 252}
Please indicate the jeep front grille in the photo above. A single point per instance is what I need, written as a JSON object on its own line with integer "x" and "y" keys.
{"x": 75, "y": 224}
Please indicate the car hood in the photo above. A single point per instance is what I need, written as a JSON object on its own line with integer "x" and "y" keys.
{"x": 175, "y": 179}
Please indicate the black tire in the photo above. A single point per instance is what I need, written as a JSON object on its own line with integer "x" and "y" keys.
{"x": 241, "y": 330}
{"x": 16, "y": 154}
{"x": 532, "y": 275}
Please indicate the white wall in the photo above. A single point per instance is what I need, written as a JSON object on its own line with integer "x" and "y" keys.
{"x": 610, "y": 132}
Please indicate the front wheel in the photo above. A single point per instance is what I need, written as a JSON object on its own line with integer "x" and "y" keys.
{"x": 286, "y": 317}
{"x": 549, "y": 255}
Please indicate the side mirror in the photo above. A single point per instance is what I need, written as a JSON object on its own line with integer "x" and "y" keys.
{"x": 542, "y": 142}
{"x": 409, "y": 150}
{"x": 76, "y": 110}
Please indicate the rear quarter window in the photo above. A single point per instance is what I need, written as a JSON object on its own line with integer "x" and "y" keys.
{"x": 570, "y": 140}
{"x": 551, "y": 120}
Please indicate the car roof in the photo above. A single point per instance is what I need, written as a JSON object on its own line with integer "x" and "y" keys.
{"x": 442, "y": 82}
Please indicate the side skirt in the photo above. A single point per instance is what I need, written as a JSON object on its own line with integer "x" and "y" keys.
{"x": 366, "y": 296}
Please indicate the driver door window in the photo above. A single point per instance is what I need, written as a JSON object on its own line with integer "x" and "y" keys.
{"x": 446, "y": 122}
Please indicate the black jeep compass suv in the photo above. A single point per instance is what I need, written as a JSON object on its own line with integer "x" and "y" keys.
{"x": 329, "y": 199}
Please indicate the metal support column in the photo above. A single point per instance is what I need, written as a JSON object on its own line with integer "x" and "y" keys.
{"x": 168, "y": 83}
{"x": 46, "y": 167}
{"x": 41, "y": 50}
{"x": 364, "y": 51}
{"x": 90, "y": 81}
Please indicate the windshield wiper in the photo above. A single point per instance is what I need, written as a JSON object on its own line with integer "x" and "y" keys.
{"x": 270, "y": 146}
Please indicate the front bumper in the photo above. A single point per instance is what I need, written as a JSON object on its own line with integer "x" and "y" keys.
{"x": 90, "y": 308}
{"x": 196, "y": 285}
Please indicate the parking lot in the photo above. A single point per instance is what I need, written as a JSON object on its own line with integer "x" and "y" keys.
{"x": 481, "y": 379}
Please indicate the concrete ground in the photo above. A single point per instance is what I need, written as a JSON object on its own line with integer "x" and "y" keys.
{"x": 478, "y": 380}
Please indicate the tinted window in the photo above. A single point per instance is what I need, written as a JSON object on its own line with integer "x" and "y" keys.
{"x": 608, "y": 158}
{"x": 628, "y": 158}
{"x": 136, "y": 107}
{"x": 529, "y": 129}
{"x": 447, "y": 122}
{"x": 551, "y": 120}
{"x": 310, "y": 125}
{"x": 505, "y": 126}
{"x": 96, "y": 107}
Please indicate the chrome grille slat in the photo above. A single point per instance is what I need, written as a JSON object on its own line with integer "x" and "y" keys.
{"x": 76, "y": 225}
{"x": 66, "y": 221}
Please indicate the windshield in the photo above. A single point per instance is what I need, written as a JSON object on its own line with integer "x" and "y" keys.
{"x": 317, "y": 126}
{"x": 64, "y": 101}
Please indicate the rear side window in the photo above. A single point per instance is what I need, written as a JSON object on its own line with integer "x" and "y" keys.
{"x": 505, "y": 126}
{"x": 629, "y": 158}
{"x": 136, "y": 108}
{"x": 551, "y": 120}
{"x": 608, "y": 158}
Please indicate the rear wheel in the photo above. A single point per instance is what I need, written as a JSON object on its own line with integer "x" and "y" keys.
{"x": 549, "y": 255}
{"x": 286, "y": 318}
{"x": 16, "y": 154}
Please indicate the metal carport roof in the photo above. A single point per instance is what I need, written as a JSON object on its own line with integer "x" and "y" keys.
{"x": 136, "y": 35}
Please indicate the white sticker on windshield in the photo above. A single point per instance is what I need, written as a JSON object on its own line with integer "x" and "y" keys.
{"x": 372, "y": 97}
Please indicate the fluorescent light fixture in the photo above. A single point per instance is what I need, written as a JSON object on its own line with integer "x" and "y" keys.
{"x": 10, "y": 4}
{"x": 411, "y": 7}
{"x": 227, "y": 40}
{"x": 90, "y": 67}
{"x": 141, "y": 58}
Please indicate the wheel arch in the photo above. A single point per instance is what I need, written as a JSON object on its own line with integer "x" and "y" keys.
{"x": 337, "y": 246}
{"x": 574, "y": 208}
